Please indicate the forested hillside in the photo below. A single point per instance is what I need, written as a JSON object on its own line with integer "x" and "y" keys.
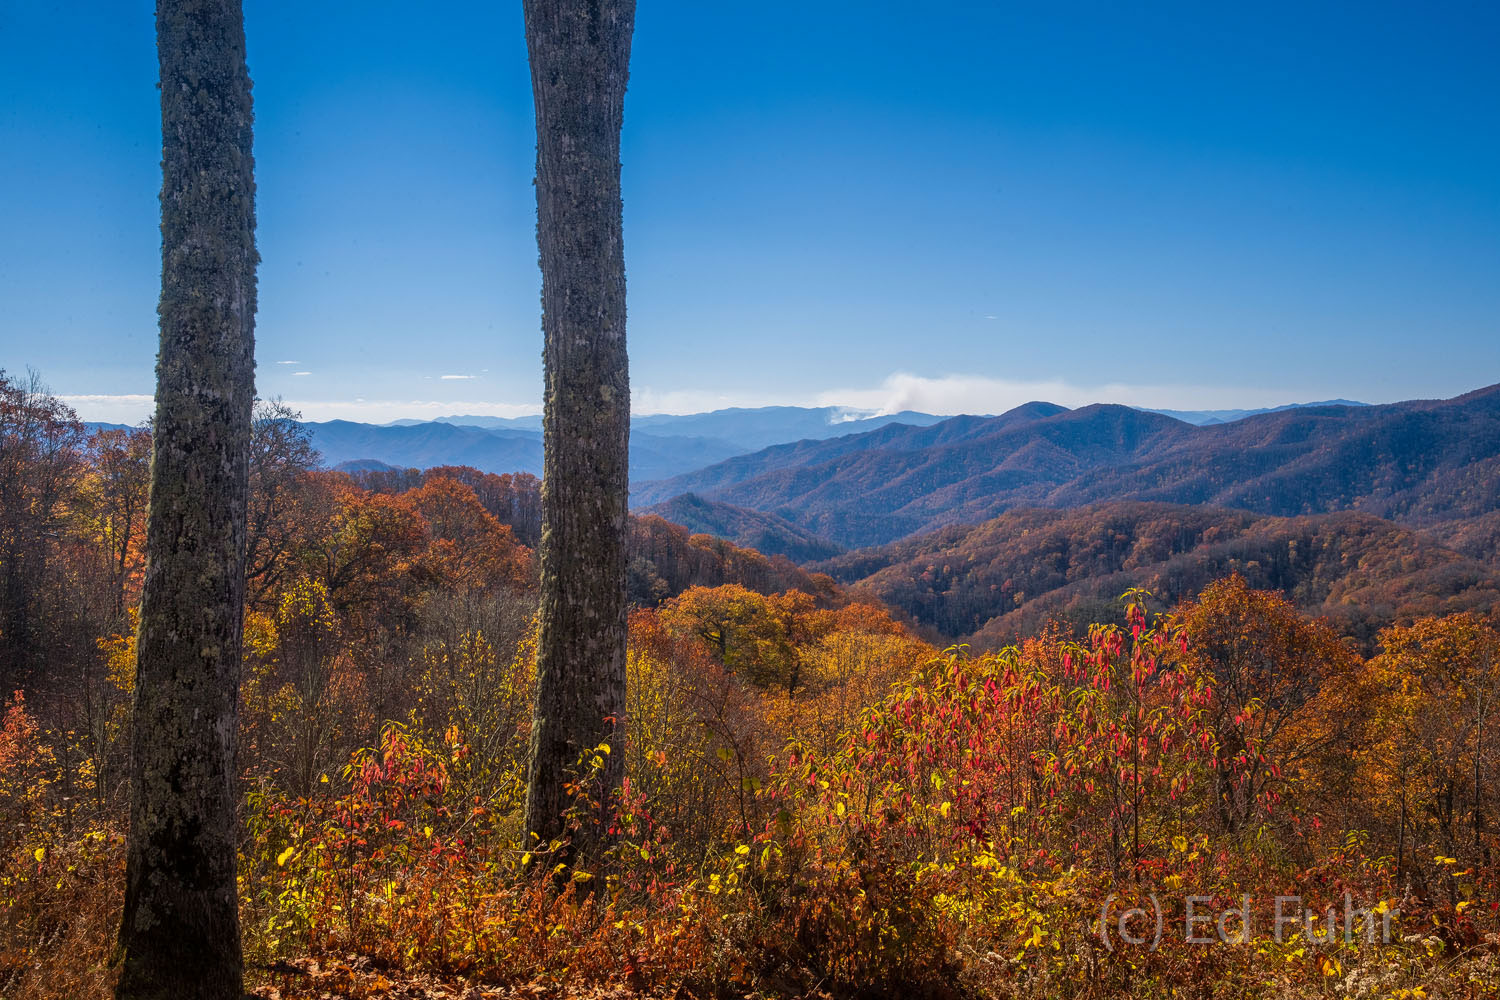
{"x": 1428, "y": 464}
{"x": 989, "y": 583}
{"x": 767, "y": 533}
{"x": 387, "y": 546}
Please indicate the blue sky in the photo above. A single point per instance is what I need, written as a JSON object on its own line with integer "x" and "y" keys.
{"x": 953, "y": 207}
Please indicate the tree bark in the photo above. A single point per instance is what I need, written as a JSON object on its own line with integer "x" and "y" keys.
{"x": 580, "y": 57}
{"x": 179, "y": 936}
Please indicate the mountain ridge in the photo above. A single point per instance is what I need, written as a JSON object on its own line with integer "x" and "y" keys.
{"x": 986, "y": 583}
{"x": 1427, "y": 463}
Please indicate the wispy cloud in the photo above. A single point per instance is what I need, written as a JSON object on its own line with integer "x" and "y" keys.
{"x": 288, "y": 362}
{"x": 128, "y": 408}
{"x": 980, "y": 394}
{"x": 457, "y": 378}
{"x": 301, "y": 373}
{"x": 644, "y": 400}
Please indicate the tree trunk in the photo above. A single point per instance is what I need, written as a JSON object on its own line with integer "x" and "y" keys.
{"x": 180, "y": 933}
{"x": 580, "y": 57}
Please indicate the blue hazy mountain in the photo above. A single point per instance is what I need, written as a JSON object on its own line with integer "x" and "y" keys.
{"x": 661, "y": 445}
{"x": 747, "y": 428}
{"x": 760, "y": 427}
{"x": 496, "y": 449}
{"x": 1205, "y": 417}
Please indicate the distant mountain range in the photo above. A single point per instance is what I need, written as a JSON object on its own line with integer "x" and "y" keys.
{"x": 662, "y": 445}
{"x": 745, "y": 429}
{"x": 1204, "y": 417}
{"x": 493, "y": 449}
{"x": 1430, "y": 464}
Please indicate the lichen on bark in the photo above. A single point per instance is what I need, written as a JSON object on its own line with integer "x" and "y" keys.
{"x": 179, "y": 934}
{"x": 580, "y": 57}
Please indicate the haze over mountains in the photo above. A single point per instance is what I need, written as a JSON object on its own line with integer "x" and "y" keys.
{"x": 744, "y": 428}
{"x": 662, "y": 445}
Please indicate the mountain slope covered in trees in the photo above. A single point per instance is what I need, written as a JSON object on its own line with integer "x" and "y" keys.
{"x": 1423, "y": 463}
{"x": 764, "y": 532}
{"x": 986, "y": 583}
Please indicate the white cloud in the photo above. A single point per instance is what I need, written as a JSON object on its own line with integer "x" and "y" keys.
{"x": 288, "y": 362}
{"x": 645, "y": 400}
{"x": 301, "y": 373}
{"x": 982, "y": 394}
{"x": 129, "y": 408}
{"x": 456, "y": 378}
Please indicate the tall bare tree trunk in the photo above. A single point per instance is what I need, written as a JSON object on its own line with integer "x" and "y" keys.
{"x": 180, "y": 933}
{"x": 580, "y": 58}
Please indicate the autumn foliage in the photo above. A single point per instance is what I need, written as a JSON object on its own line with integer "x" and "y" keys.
{"x": 818, "y": 802}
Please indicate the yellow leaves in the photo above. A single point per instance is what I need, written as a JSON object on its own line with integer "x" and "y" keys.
{"x": 285, "y": 856}
{"x": 742, "y": 849}
{"x": 40, "y": 854}
{"x": 1415, "y": 993}
{"x": 1180, "y": 843}
{"x": 945, "y": 809}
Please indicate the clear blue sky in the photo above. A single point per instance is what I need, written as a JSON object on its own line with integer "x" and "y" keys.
{"x": 951, "y": 206}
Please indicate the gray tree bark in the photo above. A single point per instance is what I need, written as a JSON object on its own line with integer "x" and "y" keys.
{"x": 179, "y": 936}
{"x": 580, "y": 58}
